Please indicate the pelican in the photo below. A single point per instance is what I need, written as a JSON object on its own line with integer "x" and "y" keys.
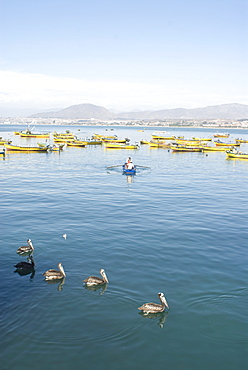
{"x": 94, "y": 280}
{"x": 154, "y": 307}
{"x": 26, "y": 249}
{"x": 26, "y": 265}
{"x": 55, "y": 274}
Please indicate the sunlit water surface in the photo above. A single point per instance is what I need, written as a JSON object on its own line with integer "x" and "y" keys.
{"x": 179, "y": 227}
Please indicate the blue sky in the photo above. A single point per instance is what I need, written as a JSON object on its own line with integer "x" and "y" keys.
{"x": 123, "y": 54}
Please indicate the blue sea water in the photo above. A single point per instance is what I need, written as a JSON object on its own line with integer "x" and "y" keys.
{"x": 179, "y": 227}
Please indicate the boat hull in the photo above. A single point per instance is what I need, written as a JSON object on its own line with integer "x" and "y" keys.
{"x": 17, "y": 148}
{"x": 80, "y": 144}
{"x": 120, "y": 146}
{"x": 158, "y": 137}
{"x": 126, "y": 171}
{"x": 241, "y": 141}
{"x": 227, "y": 144}
{"x": 236, "y": 155}
{"x": 116, "y": 141}
{"x": 39, "y": 136}
{"x": 64, "y": 140}
{"x": 221, "y": 135}
{"x": 94, "y": 142}
{"x": 185, "y": 149}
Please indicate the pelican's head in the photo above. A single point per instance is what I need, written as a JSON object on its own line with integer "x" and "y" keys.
{"x": 30, "y": 243}
{"x": 61, "y": 268}
{"x": 163, "y": 299}
{"x": 103, "y": 273}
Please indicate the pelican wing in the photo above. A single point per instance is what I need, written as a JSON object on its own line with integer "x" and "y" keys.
{"x": 51, "y": 272}
{"x": 23, "y": 249}
{"x": 151, "y": 307}
{"x": 94, "y": 280}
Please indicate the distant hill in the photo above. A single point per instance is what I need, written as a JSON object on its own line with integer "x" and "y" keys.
{"x": 79, "y": 111}
{"x": 224, "y": 111}
{"x": 88, "y": 111}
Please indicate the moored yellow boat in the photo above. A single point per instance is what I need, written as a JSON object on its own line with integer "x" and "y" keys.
{"x": 25, "y": 148}
{"x": 221, "y": 135}
{"x": 100, "y": 137}
{"x": 161, "y": 137}
{"x": 77, "y": 143}
{"x": 120, "y": 146}
{"x": 226, "y": 144}
{"x": 32, "y": 135}
{"x": 116, "y": 141}
{"x": 202, "y": 138}
{"x": 236, "y": 155}
{"x": 185, "y": 142}
{"x": 153, "y": 144}
{"x": 241, "y": 141}
{"x": 214, "y": 148}
{"x": 93, "y": 142}
{"x": 63, "y": 140}
{"x": 180, "y": 148}
{"x": 2, "y": 142}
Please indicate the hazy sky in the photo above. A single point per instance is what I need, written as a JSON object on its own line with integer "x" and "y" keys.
{"x": 123, "y": 54}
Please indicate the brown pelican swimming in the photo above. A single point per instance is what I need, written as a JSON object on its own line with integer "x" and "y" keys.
{"x": 94, "y": 280}
{"x": 26, "y": 265}
{"x": 154, "y": 307}
{"x": 26, "y": 249}
{"x": 55, "y": 274}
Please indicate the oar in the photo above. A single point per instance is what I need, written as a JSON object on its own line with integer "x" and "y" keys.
{"x": 137, "y": 165}
{"x": 118, "y": 165}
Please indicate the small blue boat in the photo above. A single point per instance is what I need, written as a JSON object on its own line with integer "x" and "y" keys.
{"x": 127, "y": 171}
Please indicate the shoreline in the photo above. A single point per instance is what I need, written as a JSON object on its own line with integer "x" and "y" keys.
{"x": 138, "y": 126}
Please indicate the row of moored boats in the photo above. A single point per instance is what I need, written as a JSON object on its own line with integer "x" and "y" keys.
{"x": 58, "y": 141}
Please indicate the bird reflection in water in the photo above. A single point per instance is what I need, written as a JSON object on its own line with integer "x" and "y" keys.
{"x": 26, "y": 272}
{"x": 60, "y": 283}
{"x": 26, "y": 268}
{"x": 162, "y": 316}
{"x": 102, "y": 288}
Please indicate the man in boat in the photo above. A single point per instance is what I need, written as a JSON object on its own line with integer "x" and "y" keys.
{"x": 128, "y": 160}
{"x": 129, "y": 164}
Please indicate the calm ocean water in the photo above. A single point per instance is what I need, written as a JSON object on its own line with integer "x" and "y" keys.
{"x": 180, "y": 227}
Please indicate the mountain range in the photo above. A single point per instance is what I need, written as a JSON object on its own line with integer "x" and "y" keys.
{"x": 89, "y": 111}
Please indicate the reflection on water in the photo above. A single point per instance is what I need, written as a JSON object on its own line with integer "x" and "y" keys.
{"x": 25, "y": 253}
{"x": 179, "y": 227}
{"x": 60, "y": 282}
{"x": 22, "y": 272}
{"x": 161, "y": 316}
{"x": 130, "y": 178}
{"x": 102, "y": 288}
